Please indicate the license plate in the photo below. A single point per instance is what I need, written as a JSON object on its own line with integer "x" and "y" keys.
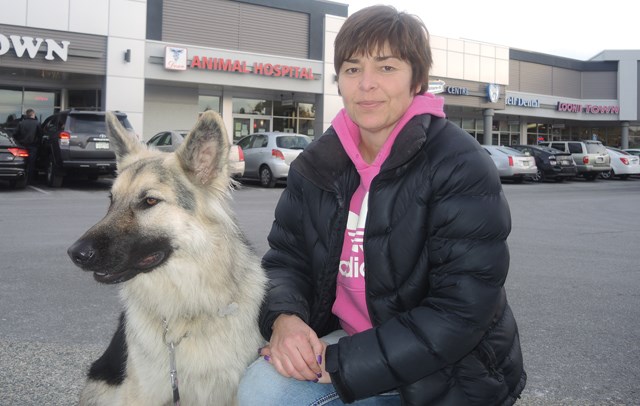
{"x": 525, "y": 163}
{"x": 600, "y": 159}
{"x": 102, "y": 145}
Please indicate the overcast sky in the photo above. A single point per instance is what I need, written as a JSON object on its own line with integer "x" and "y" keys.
{"x": 568, "y": 28}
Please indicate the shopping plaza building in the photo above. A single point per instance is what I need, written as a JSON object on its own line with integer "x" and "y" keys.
{"x": 268, "y": 65}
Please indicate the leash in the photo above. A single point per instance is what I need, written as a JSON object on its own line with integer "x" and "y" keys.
{"x": 173, "y": 371}
{"x": 228, "y": 310}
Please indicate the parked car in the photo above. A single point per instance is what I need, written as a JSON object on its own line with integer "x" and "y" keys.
{"x": 13, "y": 162}
{"x": 511, "y": 163}
{"x": 551, "y": 163}
{"x": 9, "y": 127}
{"x": 76, "y": 142}
{"x": 623, "y": 164}
{"x": 169, "y": 140}
{"x": 633, "y": 151}
{"x": 591, "y": 157}
{"x": 268, "y": 155}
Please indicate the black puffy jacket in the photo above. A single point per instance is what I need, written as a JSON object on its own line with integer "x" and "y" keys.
{"x": 28, "y": 132}
{"x": 436, "y": 261}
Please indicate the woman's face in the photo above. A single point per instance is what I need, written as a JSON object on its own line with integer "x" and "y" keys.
{"x": 376, "y": 91}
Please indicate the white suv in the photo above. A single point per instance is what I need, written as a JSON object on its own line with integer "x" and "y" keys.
{"x": 591, "y": 157}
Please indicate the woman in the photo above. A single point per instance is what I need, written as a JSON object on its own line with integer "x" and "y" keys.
{"x": 389, "y": 242}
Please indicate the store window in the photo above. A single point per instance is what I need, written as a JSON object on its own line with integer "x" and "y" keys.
{"x": 307, "y": 115}
{"x": 206, "y": 103}
{"x": 469, "y": 125}
{"x": 85, "y": 99}
{"x": 252, "y": 106}
{"x": 10, "y": 105}
{"x": 506, "y": 133}
{"x": 285, "y": 115}
{"x": 538, "y": 132}
{"x": 13, "y": 103}
{"x": 292, "y": 117}
{"x": 634, "y": 137}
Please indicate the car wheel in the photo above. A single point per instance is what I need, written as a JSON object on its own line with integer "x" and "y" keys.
{"x": 538, "y": 177}
{"x": 607, "y": 174}
{"x": 54, "y": 177}
{"x": 266, "y": 177}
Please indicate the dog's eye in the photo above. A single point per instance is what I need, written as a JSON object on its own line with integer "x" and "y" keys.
{"x": 151, "y": 201}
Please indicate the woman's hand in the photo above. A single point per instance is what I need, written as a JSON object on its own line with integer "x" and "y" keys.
{"x": 295, "y": 350}
{"x": 325, "y": 377}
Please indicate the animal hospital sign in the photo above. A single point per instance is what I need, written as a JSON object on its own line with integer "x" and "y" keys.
{"x": 176, "y": 59}
{"x": 31, "y": 46}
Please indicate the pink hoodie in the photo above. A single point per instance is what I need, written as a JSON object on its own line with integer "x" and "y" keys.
{"x": 350, "y": 305}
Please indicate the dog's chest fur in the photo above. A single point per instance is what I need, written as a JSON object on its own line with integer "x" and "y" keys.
{"x": 209, "y": 362}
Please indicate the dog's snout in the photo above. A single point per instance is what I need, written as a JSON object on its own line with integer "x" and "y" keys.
{"x": 82, "y": 253}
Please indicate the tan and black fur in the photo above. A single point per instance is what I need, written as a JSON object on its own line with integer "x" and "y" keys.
{"x": 171, "y": 241}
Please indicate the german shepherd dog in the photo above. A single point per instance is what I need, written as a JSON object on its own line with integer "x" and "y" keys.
{"x": 190, "y": 284}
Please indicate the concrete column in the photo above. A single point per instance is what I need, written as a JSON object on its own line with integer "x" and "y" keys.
{"x": 226, "y": 111}
{"x": 318, "y": 122}
{"x": 523, "y": 131}
{"x": 64, "y": 99}
{"x": 625, "y": 135}
{"x": 488, "y": 126}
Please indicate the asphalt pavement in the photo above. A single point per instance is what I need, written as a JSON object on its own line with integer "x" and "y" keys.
{"x": 573, "y": 285}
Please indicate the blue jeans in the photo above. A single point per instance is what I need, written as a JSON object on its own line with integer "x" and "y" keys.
{"x": 263, "y": 385}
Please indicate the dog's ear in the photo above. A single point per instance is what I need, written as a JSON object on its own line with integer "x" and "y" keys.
{"x": 124, "y": 141}
{"x": 205, "y": 152}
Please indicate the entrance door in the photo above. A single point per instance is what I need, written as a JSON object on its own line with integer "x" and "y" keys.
{"x": 244, "y": 125}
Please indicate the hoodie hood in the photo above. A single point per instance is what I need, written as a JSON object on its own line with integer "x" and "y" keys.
{"x": 349, "y": 133}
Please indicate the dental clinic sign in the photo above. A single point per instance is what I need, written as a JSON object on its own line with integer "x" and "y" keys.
{"x": 31, "y": 46}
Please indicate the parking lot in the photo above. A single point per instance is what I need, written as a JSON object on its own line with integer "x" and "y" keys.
{"x": 574, "y": 286}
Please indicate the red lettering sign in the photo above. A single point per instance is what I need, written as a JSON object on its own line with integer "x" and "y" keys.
{"x": 264, "y": 69}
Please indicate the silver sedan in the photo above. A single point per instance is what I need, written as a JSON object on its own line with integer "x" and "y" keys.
{"x": 511, "y": 163}
{"x": 268, "y": 155}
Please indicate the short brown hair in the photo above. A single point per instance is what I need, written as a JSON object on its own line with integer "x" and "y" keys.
{"x": 366, "y": 31}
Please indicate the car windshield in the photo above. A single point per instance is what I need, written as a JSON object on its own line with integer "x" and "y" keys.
{"x": 548, "y": 149}
{"x": 92, "y": 123}
{"x": 593, "y": 148}
{"x": 618, "y": 151}
{"x": 292, "y": 142}
{"x": 510, "y": 151}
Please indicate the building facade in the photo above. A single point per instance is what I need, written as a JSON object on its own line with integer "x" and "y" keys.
{"x": 268, "y": 65}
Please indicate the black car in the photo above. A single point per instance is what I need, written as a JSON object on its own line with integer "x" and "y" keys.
{"x": 13, "y": 162}
{"x": 9, "y": 127}
{"x": 76, "y": 142}
{"x": 551, "y": 163}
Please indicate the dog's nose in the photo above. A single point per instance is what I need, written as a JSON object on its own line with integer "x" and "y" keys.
{"x": 82, "y": 253}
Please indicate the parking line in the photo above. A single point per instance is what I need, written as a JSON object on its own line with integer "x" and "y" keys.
{"x": 39, "y": 190}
